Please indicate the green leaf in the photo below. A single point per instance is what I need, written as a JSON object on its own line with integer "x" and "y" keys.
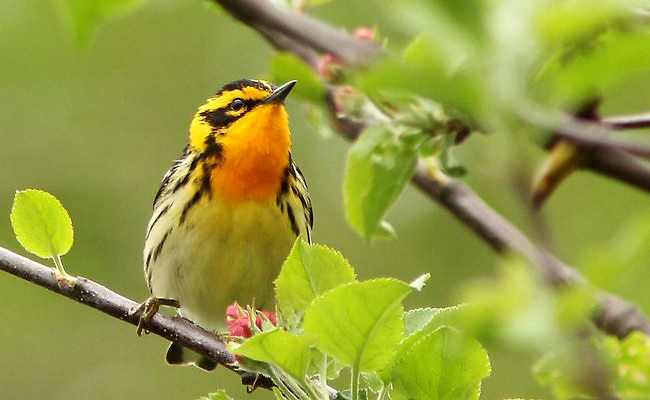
{"x": 84, "y": 16}
{"x": 426, "y": 320}
{"x": 617, "y": 265}
{"x": 360, "y": 323}
{"x": 286, "y": 67}
{"x": 290, "y": 352}
{"x": 561, "y": 371}
{"x": 560, "y": 23}
{"x": 372, "y": 381}
{"x": 632, "y": 359}
{"x": 516, "y": 308}
{"x": 319, "y": 120}
{"x": 626, "y": 362}
{"x": 218, "y": 395}
{"x": 414, "y": 320}
{"x": 445, "y": 364}
{"x": 422, "y": 322}
{"x": 611, "y": 62}
{"x": 467, "y": 15}
{"x": 41, "y": 224}
{"x": 378, "y": 167}
{"x": 448, "y": 163}
{"x": 308, "y": 272}
{"x": 429, "y": 69}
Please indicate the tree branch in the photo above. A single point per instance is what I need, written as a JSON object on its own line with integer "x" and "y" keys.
{"x": 92, "y": 294}
{"x": 265, "y": 16}
{"x": 589, "y": 134}
{"x": 619, "y": 165}
{"x": 613, "y": 315}
{"x": 635, "y": 121}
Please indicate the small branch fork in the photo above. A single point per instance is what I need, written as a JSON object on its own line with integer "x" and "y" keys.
{"x": 613, "y": 314}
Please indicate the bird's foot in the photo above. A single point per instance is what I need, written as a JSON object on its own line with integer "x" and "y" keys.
{"x": 148, "y": 309}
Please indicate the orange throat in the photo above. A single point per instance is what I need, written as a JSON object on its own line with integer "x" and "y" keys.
{"x": 255, "y": 155}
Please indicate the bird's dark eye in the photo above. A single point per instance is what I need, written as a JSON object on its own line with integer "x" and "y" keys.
{"x": 237, "y": 104}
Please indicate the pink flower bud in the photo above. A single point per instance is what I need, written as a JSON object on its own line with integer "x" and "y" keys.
{"x": 364, "y": 33}
{"x": 325, "y": 64}
{"x": 240, "y": 328}
{"x": 269, "y": 315}
{"x": 232, "y": 312}
{"x": 239, "y": 323}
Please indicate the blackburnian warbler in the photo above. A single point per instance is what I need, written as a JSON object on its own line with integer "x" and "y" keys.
{"x": 227, "y": 212}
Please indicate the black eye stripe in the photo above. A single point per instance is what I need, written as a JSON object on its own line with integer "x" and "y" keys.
{"x": 218, "y": 118}
{"x": 222, "y": 117}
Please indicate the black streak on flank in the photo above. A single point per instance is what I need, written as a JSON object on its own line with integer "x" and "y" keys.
{"x": 182, "y": 182}
{"x": 205, "y": 180}
{"x": 163, "y": 212}
{"x": 203, "y": 189}
{"x": 284, "y": 186}
{"x": 194, "y": 163}
{"x": 303, "y": 202}
{"x": 167, "y": 179}
{"x": 148, "y": 271}
{"x": 195, "y": 199}
{"x": 159, "y": 248}
{"x": 292, "y": 219}
{"x": 165, "y": 182}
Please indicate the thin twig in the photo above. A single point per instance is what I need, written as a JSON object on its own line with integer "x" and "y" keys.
{"x": 585, "y": 139}
{"x": 635, "y": 121}
{"x": 591, "y": 134}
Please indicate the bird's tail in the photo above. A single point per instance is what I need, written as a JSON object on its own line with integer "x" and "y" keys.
{"x": 178, "y": 355}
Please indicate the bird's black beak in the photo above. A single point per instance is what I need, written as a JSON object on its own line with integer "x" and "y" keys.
{"x": 279, "y": 94}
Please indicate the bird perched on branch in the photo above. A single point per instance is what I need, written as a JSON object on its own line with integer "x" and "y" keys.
{"x": 227, "y": 211}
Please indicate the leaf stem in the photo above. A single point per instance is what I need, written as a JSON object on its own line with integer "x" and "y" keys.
{"x": 288, "y": 383}
{"x": 355, "y": 382}
{"x": 61, "y": 276}
{"x": 59, "y": 265}
{"x": 323, "y": 378}
{"x": 279, "y": 382}
{"x": 311, "y": 392}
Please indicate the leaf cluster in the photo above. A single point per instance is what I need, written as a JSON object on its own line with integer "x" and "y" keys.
{"x": 332, "y": 322}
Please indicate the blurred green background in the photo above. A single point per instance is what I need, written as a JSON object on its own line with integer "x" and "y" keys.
{"x": 98, "y": 126}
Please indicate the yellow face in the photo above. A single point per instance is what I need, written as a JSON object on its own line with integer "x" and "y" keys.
{"x": 231, "y": 103}
{"x": 246, "y": 138}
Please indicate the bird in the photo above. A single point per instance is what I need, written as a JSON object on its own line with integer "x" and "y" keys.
{"x": 227, "y": 212}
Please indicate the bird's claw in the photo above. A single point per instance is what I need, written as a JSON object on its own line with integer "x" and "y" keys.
{"x": 148, "y": 309}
